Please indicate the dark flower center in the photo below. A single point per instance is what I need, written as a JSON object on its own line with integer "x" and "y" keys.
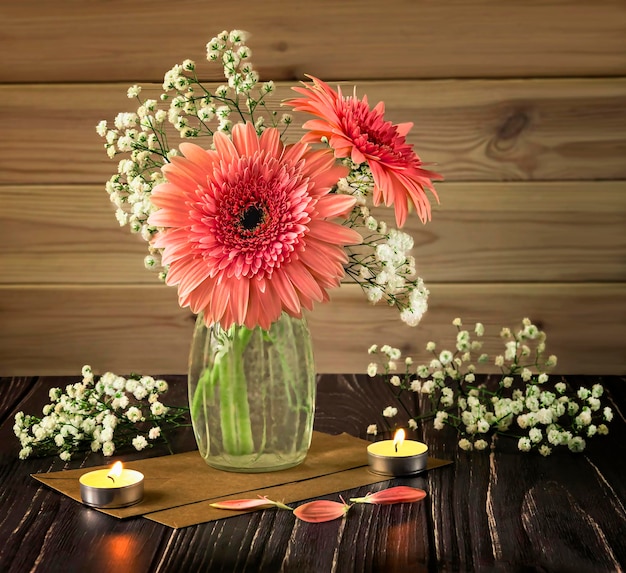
{"x": 252, "y": 217}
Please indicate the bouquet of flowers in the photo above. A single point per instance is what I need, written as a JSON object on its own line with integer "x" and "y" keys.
{"x": 522, "y": 404}
{"x": 253, "y": 228}
{"x": 247, "y": 226}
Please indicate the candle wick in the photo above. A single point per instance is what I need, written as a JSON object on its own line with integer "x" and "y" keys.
{"x": 111, "y": 478}
{"x": 396, "y": 445}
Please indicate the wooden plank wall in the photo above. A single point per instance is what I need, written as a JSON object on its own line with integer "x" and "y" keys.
{"x": 521, "y": 104}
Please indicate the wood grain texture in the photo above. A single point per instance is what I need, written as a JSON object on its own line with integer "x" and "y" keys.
{"x": 481, "y": 232}
{"x": 57, "y": 329}
{"x": 497, "y": 510}
{"x": 483, "y": 130}
{"x": 87, "y": 41}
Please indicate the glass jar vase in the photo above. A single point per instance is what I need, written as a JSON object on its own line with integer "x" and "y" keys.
{"x": 252, "y": 394}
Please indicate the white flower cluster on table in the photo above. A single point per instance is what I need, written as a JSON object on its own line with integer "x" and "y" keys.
{"x": 99, "y": 413}
{"x": 189, "y": 109}
{"x": 524, "y": 405}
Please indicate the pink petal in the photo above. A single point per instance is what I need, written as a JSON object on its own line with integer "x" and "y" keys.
{"x": 245, "y": 139}
{"x": 321, "y": 510}
{"x": 335, "y": 205}
{"x": 239, "y": 504}
{"x": 398, "y": 494}
{"x": 243, "y": 504}
{"x": 333, "y": 233}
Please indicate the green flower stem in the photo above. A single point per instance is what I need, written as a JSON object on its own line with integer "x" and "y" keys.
{"x": 204, "y": 390}
{"x": 234, "y": 407}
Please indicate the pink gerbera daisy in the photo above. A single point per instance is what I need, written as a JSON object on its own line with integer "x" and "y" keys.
{"x": 245, "y": 231}
{"x": 354, "y": 130}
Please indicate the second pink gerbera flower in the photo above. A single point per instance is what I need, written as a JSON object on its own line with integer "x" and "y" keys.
{"x": 354, "y": 130}
{"x": 246, "y": 234}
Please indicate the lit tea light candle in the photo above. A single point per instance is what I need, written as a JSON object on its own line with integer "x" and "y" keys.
{"x": 117, "y": 487}
{"x": 397, "y": 457}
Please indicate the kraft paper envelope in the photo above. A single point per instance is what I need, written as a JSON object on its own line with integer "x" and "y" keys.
{"x": 179, "y": 488}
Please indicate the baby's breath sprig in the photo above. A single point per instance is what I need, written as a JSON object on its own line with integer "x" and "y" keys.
{"x": 101, "y": 413}
{"x": 540, "y": 416}
{"x": 382, "y": 264}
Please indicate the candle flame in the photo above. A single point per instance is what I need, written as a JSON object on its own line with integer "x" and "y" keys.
{"x": 116, "y": 471}
{"x": 398, "y": 439}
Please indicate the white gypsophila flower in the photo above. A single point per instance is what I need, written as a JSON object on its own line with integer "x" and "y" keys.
{"x": 499, "y": 360}
{"x": 106, "y": 435}
{"x": 158, "y": 409}
{"x": 554, "y": 436}
{"x": 133, "y": 91}
{"x": 134, "y": 414}
{"x": 395, "y": 380}
{"x": 390, "y": 412}
{"x": 372, "y": 349}
{"x": 465, "y": 444}
{"x": 526, "y": 374}
{"x": 374, "y": 293}
{"x": 457, "y": 322}
{"x": 545, "y": 450}
{"x": 480, "y": 444}
{"x": 482, "y": 426}
{"x": 542, "y": 378}
{"x": 607, "y": 413}
{"x": 445, "y": 357}
{"x": 591, "y": 430}
{"x": 583, "y": 393}
{"x": 139, "y": 443}
{"x": 576, "y": 444}
{"x": 440, "y": 418}
{"x": 140, "y": 392}
{"x": 108, "y": 448}
{"x": 524, "y": 444}
{"x": 544, "y": 416}
{"x": 597, "y": 390}
{"x": 594, "y": 403}
{"x": 479, "y": 329}
{"x": 428, "y": 387}
{"x": 154, "y": 433}
{"x": 535, "y": 435}
{"x": 392, "y": 366}
{"x": 572, "y": 408}
{"x": 511, "y": 350}
{"x": 110, "y": 421}
{"x": 603, "y": 429}
{"x": 416, "y": 386}
{"x": 394, "y": 353}
{"x": 372, "y": 429}
{"x": 447, "y": 397}
{"x": 372, "y": 369}
{"x": 412, "y": 424}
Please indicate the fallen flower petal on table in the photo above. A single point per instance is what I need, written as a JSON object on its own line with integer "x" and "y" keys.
{"x": 239, "y": 504}
{"x": 398, "y": 494}
{"x": 321, "y": 510}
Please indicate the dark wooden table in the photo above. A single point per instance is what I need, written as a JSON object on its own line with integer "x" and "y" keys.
{"x": 498, "y": 510}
